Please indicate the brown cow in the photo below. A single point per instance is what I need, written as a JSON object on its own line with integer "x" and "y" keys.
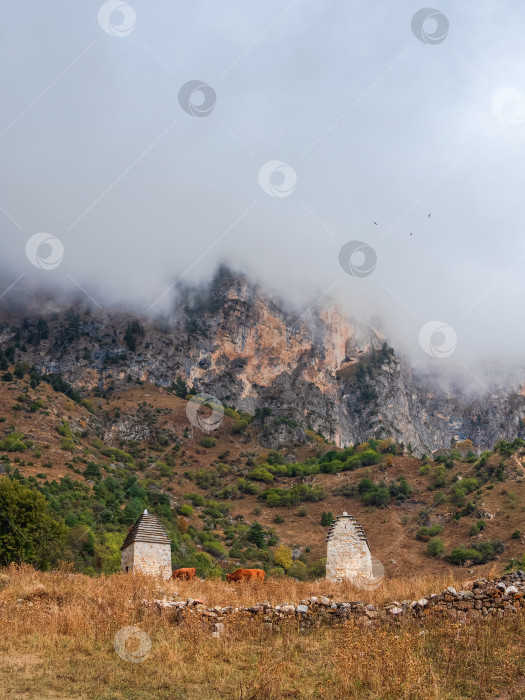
{"x": 188, "y": 574}
{"x": 246, "y": 575}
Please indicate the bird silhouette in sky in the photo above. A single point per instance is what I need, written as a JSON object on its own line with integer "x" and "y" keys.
{"x": 375, "y": 222}
{"x": 429, "y": 215}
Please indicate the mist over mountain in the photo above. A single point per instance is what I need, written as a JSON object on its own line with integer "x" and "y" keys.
{"x": 313, "y": 369}
{"x": 407, "y": 147}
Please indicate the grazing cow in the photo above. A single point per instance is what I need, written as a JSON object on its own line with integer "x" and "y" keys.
{"x": 246, "y": 575}
{"x": 188, "y": 574}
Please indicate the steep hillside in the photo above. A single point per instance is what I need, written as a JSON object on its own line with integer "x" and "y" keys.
{"x": 99, "y": 461}
{"x": 318, "y": 369}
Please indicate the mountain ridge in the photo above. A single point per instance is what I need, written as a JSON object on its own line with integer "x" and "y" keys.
{"x": 230, "y": 339}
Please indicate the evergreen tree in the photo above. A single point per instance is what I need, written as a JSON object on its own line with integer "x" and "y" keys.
{"x": 327, "y": 518}
{"x": 256, "y": 535}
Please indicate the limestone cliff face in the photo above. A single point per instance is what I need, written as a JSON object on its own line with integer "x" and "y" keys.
{"x": 231, "y": 340}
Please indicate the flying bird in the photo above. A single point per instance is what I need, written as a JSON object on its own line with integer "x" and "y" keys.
{"x": 410, "y": 234}
{"x": 375, "y": 222}
{"x": 429, "y": 215}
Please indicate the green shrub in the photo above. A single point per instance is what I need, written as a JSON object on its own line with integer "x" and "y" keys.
{"x": 507, "y": 448}
{"x": 439, "y": 477}
{"x": 186, "y": 510}
{"x": 373, "y": 494}
{"x": 425, "y": 533}
{"x": 460, "y": 555}
{"x": 317, "y": 569}
{"x": 92, "y": 471}
{"x": 165, "y": 470}
{"x": 479, "y": 553}
{"x": 462, "y": 488}
{"x": 478, "y": 526}
{"x": 208, "y": 442}
{"x": 216, "y": 549}
{"x": 516, "y": 564}
{"x": 261, "y": 474}
{"x": 515, "y": 535}
{"x": 64, "y": 429}
{"x": 247, "y": 487}
{"x": 298, "y": 570}
{"x": 435, "y": 547}
{"x": 68, "y": 444}
{"x": 302, "y": 512}
{"x": 196, "y": 499}
{"x": 379, "y": 496}
{"x": 14, "y": 442}
{"x": 400, "y": 489}
{"x": 291, "y": 497}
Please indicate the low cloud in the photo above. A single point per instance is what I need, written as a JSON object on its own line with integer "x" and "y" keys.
{"x": 410, "y": 147}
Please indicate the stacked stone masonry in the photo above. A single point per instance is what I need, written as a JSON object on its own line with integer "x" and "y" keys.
{"x": 148, "y": 558}
{"x": 347, "y": 554}
{"x": 486, "y": 599}
{"x": 147, "y": 548}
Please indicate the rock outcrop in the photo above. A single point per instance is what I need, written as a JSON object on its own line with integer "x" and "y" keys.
{"x": 319, "y": 371}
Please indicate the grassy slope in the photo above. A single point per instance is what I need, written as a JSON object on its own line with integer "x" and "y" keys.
{"x": 390, "y": 530}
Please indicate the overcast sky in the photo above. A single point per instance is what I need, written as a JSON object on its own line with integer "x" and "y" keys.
{"x": 375, "y": 123}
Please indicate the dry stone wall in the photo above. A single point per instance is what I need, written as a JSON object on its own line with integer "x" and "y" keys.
{"x": 502, "y": 598}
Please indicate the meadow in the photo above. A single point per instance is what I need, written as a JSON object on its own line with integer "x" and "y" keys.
{"x": 58, "y": 630}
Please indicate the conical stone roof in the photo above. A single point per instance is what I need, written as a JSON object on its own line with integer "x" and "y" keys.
{"x": 146, "y": 529}
{"x": 359, "y": 530}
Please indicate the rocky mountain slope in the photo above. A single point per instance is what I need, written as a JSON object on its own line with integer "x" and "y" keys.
{"x": 318, "y": 371}
{"x": 100, "y": 462}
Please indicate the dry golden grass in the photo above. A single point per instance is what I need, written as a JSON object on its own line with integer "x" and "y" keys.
{"x": 61, "y": 646}
{"x": 283, "y": 590}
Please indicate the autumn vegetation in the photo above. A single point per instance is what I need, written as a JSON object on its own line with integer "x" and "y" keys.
{"x": 57, "y": 631}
